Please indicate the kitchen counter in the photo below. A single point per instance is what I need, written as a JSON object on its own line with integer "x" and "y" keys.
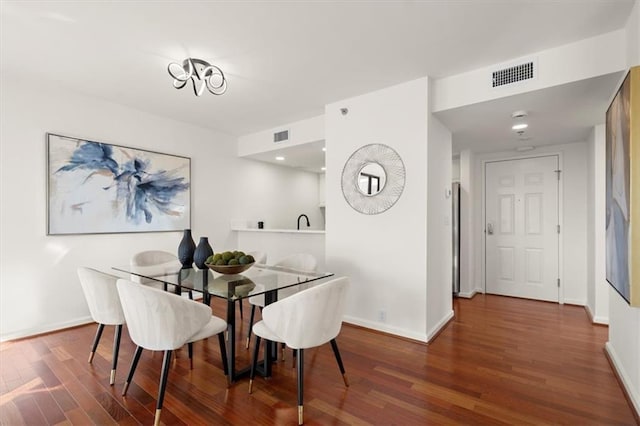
{"x": 288, "y": 231}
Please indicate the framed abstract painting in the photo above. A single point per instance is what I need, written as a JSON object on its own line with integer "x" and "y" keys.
{"x": 623, "y": 189}
{"x": 100, "y": 188}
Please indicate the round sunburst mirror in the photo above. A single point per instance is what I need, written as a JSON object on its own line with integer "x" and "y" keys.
{"x": 373, "y": 179}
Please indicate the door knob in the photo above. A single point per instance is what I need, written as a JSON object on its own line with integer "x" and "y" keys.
{"x": 490, "y": 228}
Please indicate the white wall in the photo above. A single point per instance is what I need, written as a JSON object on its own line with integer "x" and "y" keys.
{"x": 597, "y": 286}
{"x": 573, "y": 221}
{"x": 468, "y": 284}
{"x": 583, "y": 59}
{"x": 39, "y": 290}
{"x": 300, "y": 132}
{"x": 624, "y": 320}
{"x": 439, "y": 231}
{"x": 455, "y": 169}
{"x": 623, "y": 346}
{"x": 275, "y": 195}
{"x": 384, "y": 255}
{"x": 632, "y": 33}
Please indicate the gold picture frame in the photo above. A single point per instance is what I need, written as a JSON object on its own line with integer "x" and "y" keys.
{"x": 623, "y": 189}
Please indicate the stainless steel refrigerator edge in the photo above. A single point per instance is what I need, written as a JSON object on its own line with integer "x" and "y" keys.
{"x": 455, "y": 189}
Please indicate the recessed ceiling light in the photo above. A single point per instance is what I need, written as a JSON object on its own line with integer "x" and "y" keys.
{"x": 525, "y": 148}
{"x": 279, "y": 158}
{"x": 324, "y": 148}
{"x": 519, "y": 126}
{"x": 323, "y": 169}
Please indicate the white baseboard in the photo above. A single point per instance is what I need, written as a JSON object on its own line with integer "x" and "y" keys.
{"x": 468, "y": 295}
{"x": 634, "y": 394}
{"x": 596, "y": 319}
{"x": 386, "y": 328}
{"x": 441, "y": 324}
{"x": 28, "y": 332}
{"x": 577, "y": 302}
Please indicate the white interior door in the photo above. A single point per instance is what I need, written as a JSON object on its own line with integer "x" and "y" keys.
{"x": 521, "y": 230}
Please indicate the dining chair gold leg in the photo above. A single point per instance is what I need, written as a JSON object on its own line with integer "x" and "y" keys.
{"x": 156, "y": 420}
{"x": 300, "y": 415}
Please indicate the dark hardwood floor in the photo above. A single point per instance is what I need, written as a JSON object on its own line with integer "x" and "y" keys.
{"x": 500, "y": 361}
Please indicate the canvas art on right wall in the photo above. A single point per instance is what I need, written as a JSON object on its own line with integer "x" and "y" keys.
{"x": 623, "y": 189}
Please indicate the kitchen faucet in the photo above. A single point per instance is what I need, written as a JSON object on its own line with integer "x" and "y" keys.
{"x": 305, "y": 216}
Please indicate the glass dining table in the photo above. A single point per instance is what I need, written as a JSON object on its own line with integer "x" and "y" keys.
{"x": 258, "y": 280}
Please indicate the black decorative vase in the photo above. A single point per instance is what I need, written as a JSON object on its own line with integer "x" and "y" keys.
{"x": 186, "y": 249}
{"x": 203, "y": 251}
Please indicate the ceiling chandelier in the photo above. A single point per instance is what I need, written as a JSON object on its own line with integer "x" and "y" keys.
{"x": 201, "y": 74}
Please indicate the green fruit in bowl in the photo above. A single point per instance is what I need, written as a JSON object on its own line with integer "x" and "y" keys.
{"x": 243, "y": 260}
{"x": 250, "y": 259}
{"x": 210, "y": 260}
{"x": 233, "y": 262}
{"x": 216, "y": 257}
{"x": 227, "y": 256}
{"x": 220, "y": 262}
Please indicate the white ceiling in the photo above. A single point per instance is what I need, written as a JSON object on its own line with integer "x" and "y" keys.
{"x": 559, "y": 114}
{"x": 285, "y": 60}
{"x": 308, "y": 157}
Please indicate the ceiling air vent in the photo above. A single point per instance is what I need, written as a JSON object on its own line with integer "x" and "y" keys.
{"x": 281, "y": 136}
{"x": 513, "y": 74}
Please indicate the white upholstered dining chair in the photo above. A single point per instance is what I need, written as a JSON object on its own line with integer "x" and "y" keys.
{"x": 161, "y": 321}
{"x": 300, "y": 262}
{"x": 259, "y": 257}
{"x": 155, "y": 263}
{"x": 304, "y": 320}
{"x": 101, "y": 294}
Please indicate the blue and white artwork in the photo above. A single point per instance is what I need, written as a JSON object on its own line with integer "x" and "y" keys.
{"x": 618, "y": 213}
{"x": 96, "y": 187}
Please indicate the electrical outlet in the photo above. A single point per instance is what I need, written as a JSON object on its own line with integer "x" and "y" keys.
{"x": 382, "y": 315}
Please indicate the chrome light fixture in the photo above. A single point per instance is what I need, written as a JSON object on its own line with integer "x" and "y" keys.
{"x": 201, "y": 74}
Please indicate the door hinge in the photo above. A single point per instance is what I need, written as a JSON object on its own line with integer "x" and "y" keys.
{"x": 558, "y": 282}
{"x": 558, "y": 227}
{"x": 558, "y": 173}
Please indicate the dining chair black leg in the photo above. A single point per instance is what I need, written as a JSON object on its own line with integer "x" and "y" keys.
{"x": 166, "y": 363}
{"x": 251, "y": 317}
{"x": 116, "y": 349}
{"x": 96, "y": 339}
{"x": 300, "y": 353}
{"x": 223, "y": 355}
{"x": 293, "y": 358}
{"x": 336, "y": 352}
{"x": 190, "y": 350}
{"x": 132, "y": 369}
{"x": 254, "y": 361}
{"x": 241, "y": 313}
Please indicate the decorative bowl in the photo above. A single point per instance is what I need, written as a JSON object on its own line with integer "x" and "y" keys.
{"x": 229, "y": 269}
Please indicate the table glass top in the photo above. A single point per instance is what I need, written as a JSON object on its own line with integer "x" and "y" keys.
{"x": 258, "y": 279}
